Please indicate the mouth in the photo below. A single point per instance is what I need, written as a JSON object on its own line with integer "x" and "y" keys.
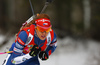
{"x": 43, "y": 36}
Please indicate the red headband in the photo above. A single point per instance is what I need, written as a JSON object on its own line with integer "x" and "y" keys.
{"x": 43, "y": 22}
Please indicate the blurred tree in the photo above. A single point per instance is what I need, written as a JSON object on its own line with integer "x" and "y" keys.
{"x": 2, "y": 15}
{"x": 95, "y": 20}
{"x": 69, "y": 17}
{"x": 63, "y": 20}
{"x": 77, "y": 17}
{"x": 87, "y": 14}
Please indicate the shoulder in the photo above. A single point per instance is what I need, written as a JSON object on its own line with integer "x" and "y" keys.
{"x": 52, "y": 35}
{"x": 23, "y": 35}
{"x": 30, "y": 29}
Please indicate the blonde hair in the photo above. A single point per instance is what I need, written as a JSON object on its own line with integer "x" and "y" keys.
{"x": 37, "y": 17}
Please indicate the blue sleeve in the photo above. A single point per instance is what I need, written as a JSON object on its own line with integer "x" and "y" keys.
{"x": 12, "y": 47}
{"x": 18, "y": 47}
{"x": 51, "y": 48}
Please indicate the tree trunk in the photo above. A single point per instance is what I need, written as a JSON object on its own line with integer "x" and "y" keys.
{"x": 87, "y": 14}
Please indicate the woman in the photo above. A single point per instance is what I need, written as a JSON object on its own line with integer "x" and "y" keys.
{"x": 35, "y": 39}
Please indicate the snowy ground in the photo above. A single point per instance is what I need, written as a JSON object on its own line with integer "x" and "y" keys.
{"x": 69, "y": 52}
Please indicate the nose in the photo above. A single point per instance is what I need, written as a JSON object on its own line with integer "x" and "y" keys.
{"x": 44, "y": 32}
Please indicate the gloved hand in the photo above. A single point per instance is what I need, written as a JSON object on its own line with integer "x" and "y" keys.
{"x": 35, "y": 51}
{"x": 43, "y": 55}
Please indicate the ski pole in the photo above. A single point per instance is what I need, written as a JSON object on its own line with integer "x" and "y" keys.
{"x": 31, "y": 6}
{"x": 6, "y": 52}
{"x": 46, "y": 4}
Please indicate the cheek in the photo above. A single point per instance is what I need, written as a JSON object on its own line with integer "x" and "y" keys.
{"x": 39, "y": 34}
{"x": 46, "y": 34}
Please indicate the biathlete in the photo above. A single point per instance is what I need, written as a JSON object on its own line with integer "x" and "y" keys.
{"x": 35, "y": 39}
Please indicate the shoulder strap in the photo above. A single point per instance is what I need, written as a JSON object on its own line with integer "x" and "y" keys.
{"x": 52, "y": 34}
{"x": 50, "y": 37}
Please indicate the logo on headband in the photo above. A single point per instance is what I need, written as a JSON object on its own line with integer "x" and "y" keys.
{"x": 43, "y": 22}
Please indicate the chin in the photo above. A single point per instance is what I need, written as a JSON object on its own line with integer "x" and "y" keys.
{"x": 42, "y": 38}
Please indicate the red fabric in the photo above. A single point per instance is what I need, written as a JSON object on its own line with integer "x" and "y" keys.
{"x": 52, "y": 34}
{"x": 44, "y": 22}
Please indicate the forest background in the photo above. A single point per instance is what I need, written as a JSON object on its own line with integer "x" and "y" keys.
{"x": 75, "y": 18}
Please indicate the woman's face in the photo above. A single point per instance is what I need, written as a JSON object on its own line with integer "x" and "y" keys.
{"x": 41, "y": 35}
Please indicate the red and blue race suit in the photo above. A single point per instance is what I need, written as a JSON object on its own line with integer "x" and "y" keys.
{"x": 25, "y": 40}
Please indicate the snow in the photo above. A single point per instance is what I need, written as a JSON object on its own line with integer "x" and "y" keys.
{"x": 2, "y": 37}
{"x": 68, "y": 52}
{"x": 66, "y": 59}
